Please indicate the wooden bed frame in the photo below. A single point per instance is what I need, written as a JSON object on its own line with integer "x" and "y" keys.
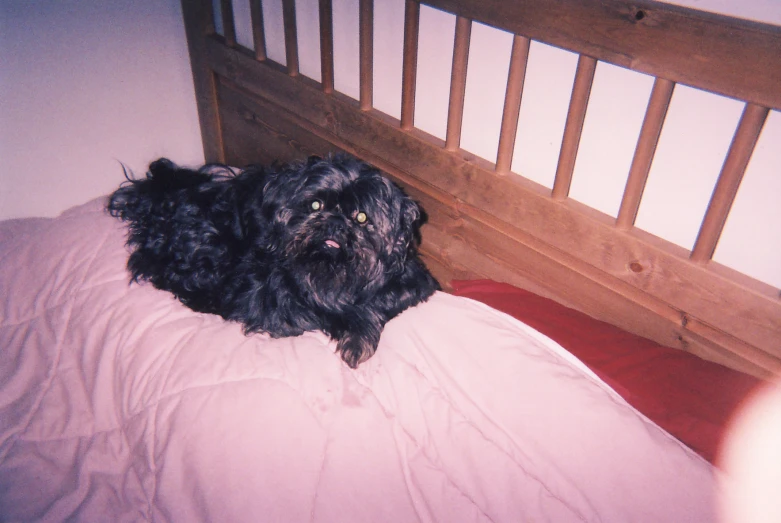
{"x": 485, "y": 222}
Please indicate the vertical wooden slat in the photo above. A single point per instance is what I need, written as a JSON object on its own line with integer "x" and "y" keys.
{"x": 258, "y": 29}
{"x": 512, "y": 103}
{"x": 743, "y": 143}
{"x": 291, "y": 36}
{"x": 644, "y": 151}
{"x": 410, "y": 66}
{"x": 455, "y": 112}
{"x": 366, "y": 50}
{"x": 209, "y": 22}
{"x": 581, "y": 90}
{"x": 228, "y": 24}
{"x": 327, "y": 45}
{"x": 199, "y": 22}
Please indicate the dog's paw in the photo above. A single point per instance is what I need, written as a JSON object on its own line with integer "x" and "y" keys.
{"x": 355, "y": 349}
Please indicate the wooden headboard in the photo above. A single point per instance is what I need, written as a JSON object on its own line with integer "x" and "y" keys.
{"x": 484, "y": 220}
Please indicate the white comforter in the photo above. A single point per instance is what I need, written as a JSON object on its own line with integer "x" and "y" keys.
{"x": 119, "y": 404}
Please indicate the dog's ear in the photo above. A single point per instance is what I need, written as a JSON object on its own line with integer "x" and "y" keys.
{"x": 312, "y": 160}
{"x": 161, "y": 167}
{"x": 411, "y": 218}
{"x": 418, "y": 218}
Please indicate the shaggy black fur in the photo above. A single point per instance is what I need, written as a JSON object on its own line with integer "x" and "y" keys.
{"x": 325, "y": 244}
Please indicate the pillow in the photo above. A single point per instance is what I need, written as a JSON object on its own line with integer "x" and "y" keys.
{"x": 691, "y": 398}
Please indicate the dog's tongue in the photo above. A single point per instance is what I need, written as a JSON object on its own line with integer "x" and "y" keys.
{"x": 332, "y": 244}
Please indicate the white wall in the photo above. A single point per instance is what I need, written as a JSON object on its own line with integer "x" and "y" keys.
{"x": 87, "y": 84}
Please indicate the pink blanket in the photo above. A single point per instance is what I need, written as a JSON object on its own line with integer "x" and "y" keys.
{"x": 119, "y": 404}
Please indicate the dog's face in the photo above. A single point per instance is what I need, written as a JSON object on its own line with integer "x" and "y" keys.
{"x": 344, "y": 229}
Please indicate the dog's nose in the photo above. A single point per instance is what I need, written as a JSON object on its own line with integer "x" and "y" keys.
{"x": 337, "y": 222}
{"x": 336, "y": 230}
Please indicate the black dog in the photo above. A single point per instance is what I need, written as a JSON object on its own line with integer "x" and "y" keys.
{"x": 328, "y": 245}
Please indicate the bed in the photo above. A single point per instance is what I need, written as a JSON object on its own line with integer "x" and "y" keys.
{"x": 574, "y": 368}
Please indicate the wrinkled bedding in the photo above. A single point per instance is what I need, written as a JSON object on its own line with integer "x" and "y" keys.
{"x": 119, "y": 404}
{"x": 693, "y": 399}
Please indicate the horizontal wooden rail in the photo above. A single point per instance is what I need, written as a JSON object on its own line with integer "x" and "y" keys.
{"x": 737, "y": 58}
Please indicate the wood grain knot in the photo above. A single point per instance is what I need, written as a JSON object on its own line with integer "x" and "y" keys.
{"x": 636, "y": 267}
{"x": 330, "y": 120}
{"x": 639, "y": 14}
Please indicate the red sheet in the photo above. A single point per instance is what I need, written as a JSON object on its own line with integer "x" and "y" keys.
{"x": 691, "y": 398}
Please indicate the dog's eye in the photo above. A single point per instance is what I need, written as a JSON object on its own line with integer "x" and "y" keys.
{"x": 361, "y": 217}
{"x": 316, "y": 205}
